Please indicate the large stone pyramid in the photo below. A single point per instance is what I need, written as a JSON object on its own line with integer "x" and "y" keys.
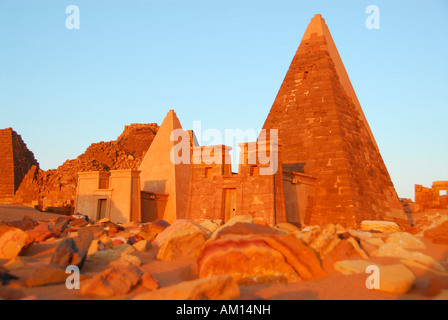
{"x": 324, "y": 135}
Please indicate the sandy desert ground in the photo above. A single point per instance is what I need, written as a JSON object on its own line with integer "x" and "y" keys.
{"x": 153, "y": 261}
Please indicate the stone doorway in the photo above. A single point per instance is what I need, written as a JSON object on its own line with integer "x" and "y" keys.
{"x": 229, "y": 204}
{"x": 102, "y": 204}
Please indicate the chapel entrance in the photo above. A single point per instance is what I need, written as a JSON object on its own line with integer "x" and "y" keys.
{"x": 102, "y": 203}
{"x": 229, "y": 204}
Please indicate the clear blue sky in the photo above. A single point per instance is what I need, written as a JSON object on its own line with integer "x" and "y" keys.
{"x": 221, "y": 62}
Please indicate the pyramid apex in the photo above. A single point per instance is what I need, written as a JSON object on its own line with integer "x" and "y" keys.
{"x": 317, "y": 25}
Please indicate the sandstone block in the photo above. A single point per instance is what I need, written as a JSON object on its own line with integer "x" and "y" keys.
{"x": 13, "y": 243}
{"x": 221, "y": 287}
{"x": 382, "y": 226}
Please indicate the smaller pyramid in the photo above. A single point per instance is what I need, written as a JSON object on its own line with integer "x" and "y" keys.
{"x": 15, "y": 162}
{"x": 159, "y": 174}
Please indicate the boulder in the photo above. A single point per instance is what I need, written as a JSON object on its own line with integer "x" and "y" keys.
{"x": 182, "y": 244}
{"x": 438, "y": 233}
{"x": 13, "y": 243}
{"x": 405, "y": 240}
{"x": 149, "y": 231}
{"x": 222, "y": 287}
{"x": 182, "y": 239}
{"x": 46, "y": 275}
{"x": 396, "y": 279}
{"x": 396, "y": 251}
{"x": 288, "y": 227}
{"x": 392, "y": 278}
{"x": 42, "y": 232}
{"x": 210, "y": 225}
{"x": 118, "y": 279}
{"x": 343, "y": 250}
{"x": 179, "y": 226}
{"x": 382, "y": 226}
{"x": 4, "y": 229}
{"x": 112, "y": 254}
{"x": 61, "y": 224}
{"x": 149, "y": 282}
{"x": 244, "y": 228}
{"x": 16, "y": 263}
{"x": 352, "y": 266}
{"x": 72, "y": 251}
{"x": 259, "y": 259}
{"x": 301, "y": 257}
{"x": 25, "y": 224}
{"x": 142, "y": 245}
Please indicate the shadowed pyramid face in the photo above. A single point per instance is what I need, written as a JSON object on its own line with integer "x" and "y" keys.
{"x": 323, "y": 133}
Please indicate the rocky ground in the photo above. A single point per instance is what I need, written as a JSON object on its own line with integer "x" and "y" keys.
{"x": 211, "y": 260}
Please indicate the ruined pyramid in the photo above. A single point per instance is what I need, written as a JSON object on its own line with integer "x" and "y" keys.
{"x": 15, "y": 162}
{"x": 324, "y": 135}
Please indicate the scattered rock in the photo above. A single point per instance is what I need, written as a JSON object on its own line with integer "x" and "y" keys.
{"x": 16, "y": 263}
{"x": 155, "y": 227}
{"x": 113, "y": 254}
{"x": 142, "y": 245}
{"x": 182, "y": 244}
{"x": 13, "y": 243}
{"x": 210, "y": 225}
{"x": 352, "y": 266}
{"x": 248, "y": 259}
{"x": 392, "y": 278}
{"x": 344, "y": 249}
{"x": 179, "y": 226}
{"x": 117, "y": 280}
{"x": 405, "y": 240}
{"x": 61, "y": 224}
{"x": 26, "y": 224}
{"x": 301, "y": 257}
{"x": 42, "y": 232}
{"x": 243, "y": 228}
{"x": 182, "y": 239}
{"x": 4, "y": 229}
{"x": 73, "y": 251}
{"x": 149, "y": 282}
{"x": 382, "y": 226}
{"x": 46, "y": 275}
{"x": 438, "y": 233}
{"x": 394, "y": 250}
{"x": 221, "y": 287}
{"x": 396, "y": 279}
{"x": 288, "y": 227}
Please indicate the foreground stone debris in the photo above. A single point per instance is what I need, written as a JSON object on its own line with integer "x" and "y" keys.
{"x": 73, "y": 251}
{"x": 119, "y": 279}
{"x": 222, "y": 287}
{"x": 187, "y": 260}
{"x": 13, "y": 243}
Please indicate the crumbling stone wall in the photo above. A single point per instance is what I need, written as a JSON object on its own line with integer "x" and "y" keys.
{"x": 430, "y": 198}
{"x": 55, "y": 190}
{"x": 15, "y": 162}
